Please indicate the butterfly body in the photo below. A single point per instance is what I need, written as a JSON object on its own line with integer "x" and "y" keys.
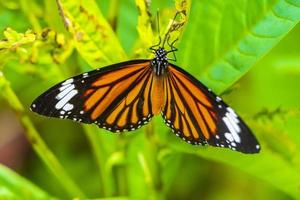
{"x": 125, "y": 96}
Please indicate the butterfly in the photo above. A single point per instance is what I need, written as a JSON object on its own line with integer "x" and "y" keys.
{"x": 125, "y": 96}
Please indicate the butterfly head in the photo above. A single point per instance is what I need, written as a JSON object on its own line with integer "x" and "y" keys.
{"x": 160, "y": 62}
{"x": 161, "y": 53}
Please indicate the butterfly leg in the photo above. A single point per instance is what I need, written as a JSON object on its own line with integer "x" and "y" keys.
{"x": 153, "y": 49}
{"x": 173, "y": 49}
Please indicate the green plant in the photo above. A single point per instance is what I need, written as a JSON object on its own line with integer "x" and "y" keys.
{"x": 220, "y": 42}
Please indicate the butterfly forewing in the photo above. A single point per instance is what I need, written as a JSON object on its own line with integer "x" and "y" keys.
{"x": 198, "y": 116}
{"x": 117, "y": 97}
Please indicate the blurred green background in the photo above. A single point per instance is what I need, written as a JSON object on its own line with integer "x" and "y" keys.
{"x": 246, "y": 51}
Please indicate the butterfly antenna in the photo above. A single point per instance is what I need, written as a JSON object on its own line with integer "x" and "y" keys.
{"x": 168, "y": 33}
{"x": 158, "y": 29}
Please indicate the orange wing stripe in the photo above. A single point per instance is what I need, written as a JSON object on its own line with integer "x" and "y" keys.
{"x": 176, "y": 121}
{"x": 208, "y": 119}
{"x": 192, "y": 127}
{"x": 92, "y": 100}
{"x": 177, "y": 98}
{"x": 147, "y": 94}
{"x": 134, "y": 117}
{"x": 112, "y": 117}
{"x": 185, "y": 129}
{"x": 123, "y": 119}
{"x": 196, "y": 92}
{"x": 134, "y": 92}
{"x": 193, "y": 108}
{"x": 110, "y": 77}
{"x": 88, "y": 92}
{"x": 111, "y": 96}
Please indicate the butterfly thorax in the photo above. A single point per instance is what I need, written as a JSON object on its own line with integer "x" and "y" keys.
{"x": 160, "y": 63}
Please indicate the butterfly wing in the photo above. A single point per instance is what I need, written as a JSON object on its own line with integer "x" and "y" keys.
{"x": 198, "y": 116}
{"x": 117, "y": 97}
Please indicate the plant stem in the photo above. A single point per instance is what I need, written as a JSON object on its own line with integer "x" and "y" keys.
{"x": 37, "y": 142}
{"x": 101, "y": 157}
{"x": 153, "y": 170}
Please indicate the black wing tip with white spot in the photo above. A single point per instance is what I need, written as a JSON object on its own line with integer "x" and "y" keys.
{"x": 232, "y": 131}
{"x": 57, "y": 101}
{"x": 248, "y": 144}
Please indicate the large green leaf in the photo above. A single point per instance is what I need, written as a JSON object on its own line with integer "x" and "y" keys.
{"x": 224, "y": 39}
{"x": 12, "y": 186}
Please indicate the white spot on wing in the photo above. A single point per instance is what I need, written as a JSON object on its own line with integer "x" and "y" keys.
{"x": 233, "y": 144}
{"x": 233, "y": 120}
{"x": 71, "y": 80}
{"x": 66, "y": 99}
{"x": 231, "y": 111}
{"x": 64, "y": 87}
{"x": 85, "y": 75}
{"x": 68, "y": 107}
{"x": 231, "y": 129}
{"x": 65, "y": 91}
{"x": 229, "y": 137}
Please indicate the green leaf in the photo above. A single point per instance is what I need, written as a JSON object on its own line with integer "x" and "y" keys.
{"x": 224, "y": 39}
{"x": 92, "y": 34}
{"x": 14, "y": 186}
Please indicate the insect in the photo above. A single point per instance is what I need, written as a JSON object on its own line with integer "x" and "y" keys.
{"x": 125, "y": 96}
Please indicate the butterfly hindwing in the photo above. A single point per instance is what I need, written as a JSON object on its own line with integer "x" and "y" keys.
{"x": 198, "y": 116}
{"x": 116, "y": 97}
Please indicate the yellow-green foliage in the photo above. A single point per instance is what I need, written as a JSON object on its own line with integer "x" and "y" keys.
{"x": 246, "y": 50}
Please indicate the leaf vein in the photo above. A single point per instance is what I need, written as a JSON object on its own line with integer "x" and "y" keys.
{"x": 292, "y": 4}
{"x": 279, "y": 16}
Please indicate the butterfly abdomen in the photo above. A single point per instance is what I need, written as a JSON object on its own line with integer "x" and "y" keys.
{"x": 157, "y": 95}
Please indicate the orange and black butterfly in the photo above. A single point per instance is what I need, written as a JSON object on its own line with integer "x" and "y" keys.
{"x": 125, "y": 96}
